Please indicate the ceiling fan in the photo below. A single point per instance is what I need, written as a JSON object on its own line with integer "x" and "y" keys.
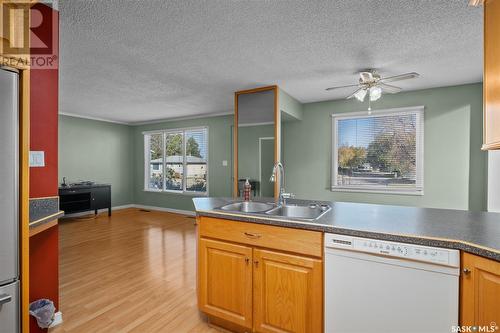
{"x": 372, "y": 85}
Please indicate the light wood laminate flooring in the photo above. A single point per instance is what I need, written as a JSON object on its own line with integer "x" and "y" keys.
{"x": 131, "y": 272}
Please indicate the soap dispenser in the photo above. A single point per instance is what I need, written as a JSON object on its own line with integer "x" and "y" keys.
{"x": 246, "y": 190}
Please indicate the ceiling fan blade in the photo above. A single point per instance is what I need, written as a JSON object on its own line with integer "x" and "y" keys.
{"x": 339, "y": 87}
{"x": 400, "y": 77}
{"x": 366, "y": 76}
{"x": 354, "y": 93}
{"x": 389, "y": 88}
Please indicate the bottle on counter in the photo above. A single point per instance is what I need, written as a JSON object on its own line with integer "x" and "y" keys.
{"x": 246, "y": 190}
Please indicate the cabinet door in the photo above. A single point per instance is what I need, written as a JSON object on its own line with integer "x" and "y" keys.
{"x": 101, "y": 197}
{"x": 225, "y": 281}
{"x": 491, "y": 83}
{"x": 480, "y": 291}
{"x": 288, "y": 293}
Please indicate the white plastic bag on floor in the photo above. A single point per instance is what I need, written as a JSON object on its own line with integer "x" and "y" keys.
{"x": 43, "y": 310}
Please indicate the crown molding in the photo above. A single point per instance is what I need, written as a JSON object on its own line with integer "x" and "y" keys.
{"x": 164, "y": 120}
{"x": 208, "y": 115}
{"x": 74, "y": 115}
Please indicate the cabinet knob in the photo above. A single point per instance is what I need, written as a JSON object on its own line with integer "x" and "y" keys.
{"x": 247, "y": 260}
{"x": 466, "y": 271}
{"x": 256, "y": 262}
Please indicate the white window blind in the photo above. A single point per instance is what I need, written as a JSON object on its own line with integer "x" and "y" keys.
{"x": 380, "y": 151}
{"x": 176, "y": 160}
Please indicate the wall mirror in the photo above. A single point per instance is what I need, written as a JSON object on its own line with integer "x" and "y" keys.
{"x": 256, "y": 140}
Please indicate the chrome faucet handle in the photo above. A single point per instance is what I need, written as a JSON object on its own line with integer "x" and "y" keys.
{"x": 287, "y": 195}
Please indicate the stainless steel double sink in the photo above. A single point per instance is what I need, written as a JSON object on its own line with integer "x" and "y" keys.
{"x": 310, "y": 212}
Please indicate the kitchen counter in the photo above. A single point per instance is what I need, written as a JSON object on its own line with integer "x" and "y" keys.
{"x": 473, "y": 232}
{"x": 43, "y": 214}
{"x": 40, "y": 208}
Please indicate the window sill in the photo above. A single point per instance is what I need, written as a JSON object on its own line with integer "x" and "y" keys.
{"x": 187, "y": 193}
{"x": 378, "y": 191}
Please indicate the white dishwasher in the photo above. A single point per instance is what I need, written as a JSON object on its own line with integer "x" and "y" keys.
{"x": 382, "y": 286}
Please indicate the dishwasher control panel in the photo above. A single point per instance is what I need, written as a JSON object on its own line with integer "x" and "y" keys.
{"x": 435, "y": 255}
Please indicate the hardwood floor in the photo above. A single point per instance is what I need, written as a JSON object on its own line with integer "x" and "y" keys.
{"x": 132, "y": 272}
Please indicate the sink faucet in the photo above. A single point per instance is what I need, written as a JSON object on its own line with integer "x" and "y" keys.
{"x": 282, "y": 195}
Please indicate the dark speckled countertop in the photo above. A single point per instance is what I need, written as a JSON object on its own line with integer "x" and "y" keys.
{"x": 43, "y": 210}
{"x": 474, "y": 232}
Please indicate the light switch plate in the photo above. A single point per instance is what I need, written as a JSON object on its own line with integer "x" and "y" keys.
{"x": 224, "y": 163}
{"x": 37, "y": 159}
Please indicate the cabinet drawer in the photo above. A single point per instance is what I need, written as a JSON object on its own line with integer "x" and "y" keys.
{"x": 280, "y": 238}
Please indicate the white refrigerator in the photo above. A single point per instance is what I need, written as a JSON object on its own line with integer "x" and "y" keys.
{"x": 9, "y": 202}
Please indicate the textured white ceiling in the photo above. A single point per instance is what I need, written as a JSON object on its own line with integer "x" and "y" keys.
{"x": 135, "y": 61}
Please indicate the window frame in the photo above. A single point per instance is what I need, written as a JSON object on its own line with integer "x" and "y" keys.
{"x": 418, "y": 189}
{"x": 147, "y": 161}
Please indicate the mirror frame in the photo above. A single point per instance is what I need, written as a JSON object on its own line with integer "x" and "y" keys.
{"x": 277, "y": 133}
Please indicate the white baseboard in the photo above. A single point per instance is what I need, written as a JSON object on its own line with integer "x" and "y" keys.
{"x": 78, "y": 214}
{"x": 99, "y": 211}
{"x": 161, "y": 209}
{"x": 169, "y": 210}
{"x": 121, "y": 207}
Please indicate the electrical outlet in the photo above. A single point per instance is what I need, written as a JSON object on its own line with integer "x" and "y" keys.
{"x": 224, "y": 163}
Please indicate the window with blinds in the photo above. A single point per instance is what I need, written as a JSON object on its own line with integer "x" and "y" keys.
{"x": 378, "y": 151}
{"x": 176, "y": 160}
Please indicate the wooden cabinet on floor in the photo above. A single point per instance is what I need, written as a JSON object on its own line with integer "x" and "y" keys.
{"x": 225, "y": 281}
{"x": 287, "y": 293}
{"x": 247, "y": 277}
{"x": 480, "y": 291}
{"x": 491, "y": 81}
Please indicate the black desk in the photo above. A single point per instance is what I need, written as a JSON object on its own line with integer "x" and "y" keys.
{"x": 83, "y": 198}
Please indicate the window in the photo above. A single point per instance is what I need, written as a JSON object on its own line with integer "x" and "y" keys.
{"x": 176, "y": 160}
{"x": 380, "y": 151}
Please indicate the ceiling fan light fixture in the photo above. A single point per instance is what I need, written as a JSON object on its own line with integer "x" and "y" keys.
{"x": 360, "y": 95}
{"x": 375, "y": 93}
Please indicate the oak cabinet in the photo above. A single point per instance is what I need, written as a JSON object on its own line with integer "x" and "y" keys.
{"x": 247, "y": 277}
{"x": 287, "y": 293}
{"x": 225, "y": 281}
{"x": 491, "y": 81}
{"x": 480, "y": 291}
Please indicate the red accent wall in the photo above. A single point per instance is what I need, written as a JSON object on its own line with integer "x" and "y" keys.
{"x": 43, "y": 124}
{"x": 43, "y": 130}
{"x": 44, "y": 247}
{"x": 44, "y": 268}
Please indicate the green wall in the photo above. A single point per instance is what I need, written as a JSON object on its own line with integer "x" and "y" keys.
{"x": 98, "y": 151}
{"x": 248, "y": 149}
{"x": 219, "y": 149}
{"x": 290, "y": 106}
{"x": 454, "y": 165}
